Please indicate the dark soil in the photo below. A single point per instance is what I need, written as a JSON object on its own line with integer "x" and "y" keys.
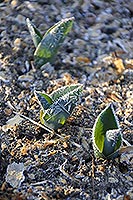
{"x": 97, "y": 53}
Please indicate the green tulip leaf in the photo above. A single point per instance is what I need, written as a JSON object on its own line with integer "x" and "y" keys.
{"x": 48, "y": 45}
{"x": 106, "y": 133}
{"x": 55, "y": 116}
{"x": 71, "y": 90}
{"x": 44, "y": 99}
{"x": 58, "y": 106}
{"x": 35, "y": 34}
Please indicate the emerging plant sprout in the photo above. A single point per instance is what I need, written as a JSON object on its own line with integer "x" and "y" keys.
{"x": 48, "y": 45}
{"x": 58, "y": 106}
{"x": 107, "y": 138}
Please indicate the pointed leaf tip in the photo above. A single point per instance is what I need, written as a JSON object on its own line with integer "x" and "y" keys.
{"x": 44, "y": 99}
{"x": 35, "y": 33}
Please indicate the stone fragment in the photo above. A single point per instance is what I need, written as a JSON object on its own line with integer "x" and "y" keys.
{"x": 14, "y": 174}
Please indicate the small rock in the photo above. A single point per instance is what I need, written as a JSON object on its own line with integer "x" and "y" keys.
{"x": 17, "y": 42}
{"x": 38, "y": 84}
{"x": 79, "y": 42}
{"x": 4, "y": 78}
{"x": 113, "y": 180}
{"x": 31, "y": 6}
{"x": 14, "y": 121}
{"x": 47, "y": 68}
{"x": 90, "y": 19}
{"x": 7, "y": 111}
{"x": 25, "y": 81}
{"x": 131, "y": 35}
{"x": 104, "y": 17}
{"x": 14, "y": 174}
{"x": 20, "y": 19}
{"x": 129, "y": 194}
{"x": 109, "y": 29}
{"x": 14, "y": 3}
{"x": 98, "y": 4}
{"x": 114, "y": 193}
{"x": 103, "y": 37}
{"x": 109, "y": 10}
{"x": 26, "y": 78}
{"x": 130, "y": 6}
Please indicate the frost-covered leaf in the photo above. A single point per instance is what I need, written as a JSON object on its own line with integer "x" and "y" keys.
{"x": 35, "y": 34}
{"x": 47, "y": 47}
{"x": 72, "y": 90}
{"x": 106, "y": 133}
{"x": 59, "y": 105}
{"x": 44, "y": 99}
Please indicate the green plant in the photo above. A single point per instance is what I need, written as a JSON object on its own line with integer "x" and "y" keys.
{"x": 58, "y": 106}
{"x": 48, "y": 45}
{"x": 106, "y": 134}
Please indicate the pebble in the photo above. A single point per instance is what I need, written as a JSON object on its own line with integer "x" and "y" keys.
{"x": 25, "y": 81}
{"x": 131, "y": 35}
{"x": 83, "y": 79}
{"x": 38, "y": 85}
{"x": 4, "y": 77}
{"x": 7, "y": 111}
{"x": 90, "y": 19}
{"x": 98, "y": 4}
{"x": 79, "y": 43}
{"x": 31, "y": 6}
{"x": 130, "y": 6}
{"x": 17, "y": 42}
{"x": 113, "y": 180}
{"x": 114, "y": 193}
{"x": 14, "y": 3}
{"x": 120, "y": 197}
{"x": 130, "y": 194}
{"x": 108, "y": 29}
{"x": 14, "y": 174}
{"x": 26, "y": 78}
{"x": 84, "y": 6}
{"x": 20, "y": 19}
{"x": 104, "y": 17}
{"x": 31, "y": 176}
{"x": 47, "y": 68}
{"x": 127, "y": 157}
{"x": 104, "y": 37}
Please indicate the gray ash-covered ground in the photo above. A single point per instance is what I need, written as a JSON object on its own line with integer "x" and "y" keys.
{"x": 97, "y": 53}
